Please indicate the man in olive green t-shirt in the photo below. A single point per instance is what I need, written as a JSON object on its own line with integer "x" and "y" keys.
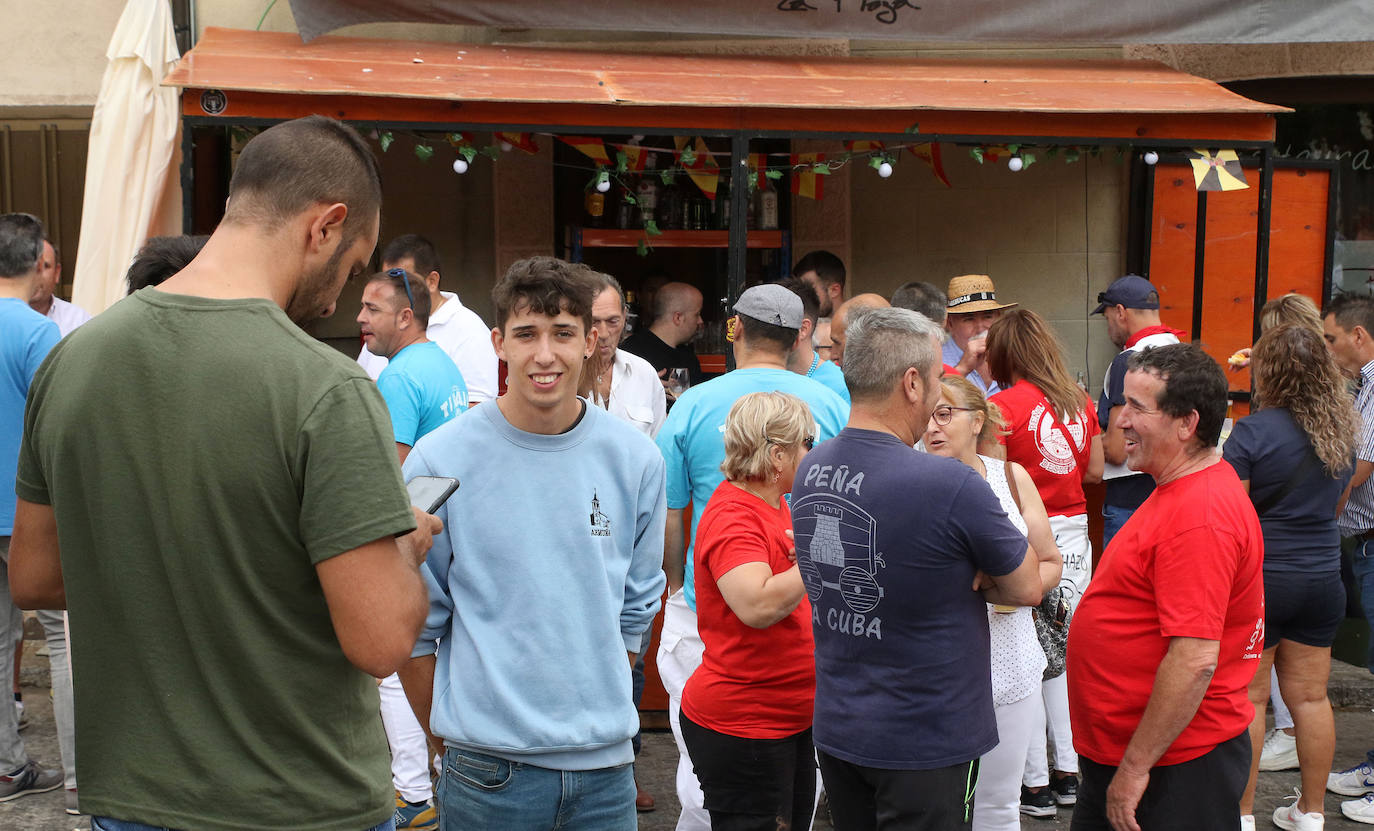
{"x": 232, "y": 519}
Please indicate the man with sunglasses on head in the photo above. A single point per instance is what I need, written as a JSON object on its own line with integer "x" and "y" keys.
{"x": 422, "y": 388}
{"x": 764, "y": 333}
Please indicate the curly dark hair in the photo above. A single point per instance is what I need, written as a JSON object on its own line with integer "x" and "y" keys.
{"x": 1192, "y": 381}
{"x": 546, "y": 285}
{"x": 1294, "y": 370}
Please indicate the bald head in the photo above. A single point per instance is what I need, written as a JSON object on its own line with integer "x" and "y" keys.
{"x": 837, "y": 323}
{"x": 677, "y": 313}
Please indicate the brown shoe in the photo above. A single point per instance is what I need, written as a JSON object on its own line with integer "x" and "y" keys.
{"x": 644, "y": 801}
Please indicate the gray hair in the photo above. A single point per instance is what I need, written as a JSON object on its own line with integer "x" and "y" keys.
{"x": 21, "y": 243}
{"x": 881, "y": 344}
{"x": 922, "y": 298}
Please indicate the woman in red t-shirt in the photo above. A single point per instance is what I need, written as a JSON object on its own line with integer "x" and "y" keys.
{"x": 746, "y": 711}
{"x": 1052, "y": 432}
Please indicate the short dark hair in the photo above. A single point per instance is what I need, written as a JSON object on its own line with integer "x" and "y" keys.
{"x": 1192, "y": 381}
{"x": 604, "y": 281}
{"x": 811, "y": 302}
{"x": 545, "y": 285}
{"x": 827, "y": 266}
{"x": 922, "y": 298}
{"x": 417, "y": 249}
{"x": 1351, "y": 310}
{"x": 160, "y": 258}
{"x": 777, "y": 336}
{"x": 419, "y": 292}
{"x": 21, "y": 243}
{"x": 295, "y": 164}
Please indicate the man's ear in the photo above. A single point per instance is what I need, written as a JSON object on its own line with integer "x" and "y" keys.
{"x": 808, "y": 326}
{"x": 326, "y": 227}
{"x": 498, "y": 343}
{"x": 432, "y": 281}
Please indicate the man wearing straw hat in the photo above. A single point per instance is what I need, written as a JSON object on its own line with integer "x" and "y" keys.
{"x": 973, "y": 308}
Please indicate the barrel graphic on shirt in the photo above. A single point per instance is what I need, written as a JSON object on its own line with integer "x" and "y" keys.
{"x": 841, "y": 541}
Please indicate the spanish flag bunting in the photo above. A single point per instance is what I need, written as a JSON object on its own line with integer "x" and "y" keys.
{"x": 805, "y": 180}
{"x": 864, "y": 146}
{"x": 634, "y": 157}
{"x": 929, "y": 152}
{"x": 589, "y": 146}
{"x": 704, "y": 171}
{"x": 520, "y": 141}
{"x": 1216, "y": 170}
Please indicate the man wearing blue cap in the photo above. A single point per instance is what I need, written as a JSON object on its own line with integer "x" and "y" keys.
{"x": 1131, "y": 307}
{"x": 764, "y": 333}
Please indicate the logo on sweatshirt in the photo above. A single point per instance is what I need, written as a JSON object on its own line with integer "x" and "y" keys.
{"x": 601, "y": 524}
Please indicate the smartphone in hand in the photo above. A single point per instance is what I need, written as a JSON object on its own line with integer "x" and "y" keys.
{"x": 429, "y": 492}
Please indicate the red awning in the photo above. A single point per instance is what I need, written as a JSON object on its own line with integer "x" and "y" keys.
{"x": 274, "y": 75}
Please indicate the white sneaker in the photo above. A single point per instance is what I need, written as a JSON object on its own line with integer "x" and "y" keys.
{"x": 1360, "y": 810}
{"x": 1356, "y": 781}
{"x": 1289, "y": 818}
{"x": 1280, "y": 752}
{"x": 1247, "y": 822}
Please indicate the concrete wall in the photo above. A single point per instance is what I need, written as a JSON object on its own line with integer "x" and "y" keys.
{"x": 1051, "y": 237}
{"x": 54, "y": 55}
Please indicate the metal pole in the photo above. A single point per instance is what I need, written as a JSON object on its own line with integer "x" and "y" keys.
{"x": 1262, "y": 237}
{"x": 188, "y": 180}
{"x": 1199, "y": 262}
{"x": 739, "y": 226}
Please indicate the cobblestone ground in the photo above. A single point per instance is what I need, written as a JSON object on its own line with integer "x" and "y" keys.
{"x": 657, "y": 764}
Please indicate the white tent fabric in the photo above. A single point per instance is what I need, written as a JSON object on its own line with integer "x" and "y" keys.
{"x": 133, "y": 186}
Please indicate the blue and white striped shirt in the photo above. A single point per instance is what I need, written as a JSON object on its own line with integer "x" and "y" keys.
{"x": 1358, "y": 516}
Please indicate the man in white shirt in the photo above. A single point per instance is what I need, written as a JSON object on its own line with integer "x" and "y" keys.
{"x": 457, "y": 329}
{"x": 66, "y": 315}
{"x": 626, "y": 384}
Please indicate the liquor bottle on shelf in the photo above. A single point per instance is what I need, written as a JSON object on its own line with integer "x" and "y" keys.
{"x": 595, "y": 204}
{"x": 626, "y": 204}
{"x": 647, "y": 191}
{"x": 631, "y": 313}
{"x": 670, "y": 206}
{"x": 721, "y": 215}
{"x": 767, "y": 200}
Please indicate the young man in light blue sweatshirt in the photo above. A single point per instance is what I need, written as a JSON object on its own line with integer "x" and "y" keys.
{"x": 546, "y": 575}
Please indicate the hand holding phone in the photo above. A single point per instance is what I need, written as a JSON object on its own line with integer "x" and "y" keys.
{"x": 428, "y": 493}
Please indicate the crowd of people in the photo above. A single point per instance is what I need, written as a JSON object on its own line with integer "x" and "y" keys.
{"x": 872, "y": 534}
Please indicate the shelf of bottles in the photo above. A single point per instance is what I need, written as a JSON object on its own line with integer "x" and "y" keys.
{"x": 618, "y": 238}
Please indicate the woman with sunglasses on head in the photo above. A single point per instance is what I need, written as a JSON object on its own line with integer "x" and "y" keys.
{"x": 962, "y": 420}
{"x": 1052, "y": 431}
{"x": 1294, "y": 456}
{"x": 746, "y": 711}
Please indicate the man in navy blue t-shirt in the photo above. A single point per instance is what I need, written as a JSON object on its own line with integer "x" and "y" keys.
{"x": 893, "y": 545}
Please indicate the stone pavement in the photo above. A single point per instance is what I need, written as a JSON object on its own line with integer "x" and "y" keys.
{"x": 1352, "y": 692}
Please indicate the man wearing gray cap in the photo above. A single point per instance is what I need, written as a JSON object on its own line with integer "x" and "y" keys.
{"x": 764, "y": 331}
{"x": 1130, "y": 306}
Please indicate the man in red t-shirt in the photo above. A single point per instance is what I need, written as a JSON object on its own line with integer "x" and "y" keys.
{"x": 1167, "y": 637}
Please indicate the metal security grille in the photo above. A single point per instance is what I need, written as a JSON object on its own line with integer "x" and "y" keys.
{"x": 43, "y": 172}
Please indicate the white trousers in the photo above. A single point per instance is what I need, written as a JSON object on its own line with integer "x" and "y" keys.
{"x": 997, "y": 801}
{"x": 1071, "y": 537}
{"x": 1283, "y": 719}
{"x": 679, "y": 655}
{"x": 409, "y": 751}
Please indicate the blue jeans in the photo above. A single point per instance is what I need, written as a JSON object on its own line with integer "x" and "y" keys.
{"x": 1113, "y": 517}
{"x": 107, "y": 824}
{"x": 482, "y": 791}
{"x": 637, "y": 678}
{"x": 1363, "y": 566}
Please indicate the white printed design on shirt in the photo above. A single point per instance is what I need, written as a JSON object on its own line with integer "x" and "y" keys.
{"x": 601, "y": 524}
{"x": 1056, "y": 456}
{"x": 841, "y": 539}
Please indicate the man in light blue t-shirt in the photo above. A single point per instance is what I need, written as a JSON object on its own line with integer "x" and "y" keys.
{"x": 25, "y": 338}
{"x": 804, "y": 358}
{"x": 768, "y": 319}
{"x": 422, "y": 388}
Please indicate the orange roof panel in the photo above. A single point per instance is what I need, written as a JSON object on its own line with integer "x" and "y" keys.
{"x": 631, "y": 85}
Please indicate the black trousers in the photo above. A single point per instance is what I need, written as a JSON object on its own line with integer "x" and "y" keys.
{"x": 1198, "y": 795}
{"x": 877, "y": 799}
{"x": 753, "y": 784}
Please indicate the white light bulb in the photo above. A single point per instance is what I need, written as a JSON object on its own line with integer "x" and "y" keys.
{"x": 885, "y": 170}
{"x": 460, "y": 165}
{"x": 1014, "y": 164}
{"x": 506, "y": 147}
{"x": 603, "y": 185}
{"x": 1151, "y": 157}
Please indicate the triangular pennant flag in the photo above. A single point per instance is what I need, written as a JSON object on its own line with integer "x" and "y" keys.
{"x": 805, "y": 180}
{"x": 634, "y": 157}
{"x": 589, "y": 146}
{"x": 1218, "y": 170}
{"x": 520, "y": 141}
{"x": 758, "y": 164}
{"x": 864, "y": 146}
{"x": 704, "y": 170}
{"x": 929, "y": 152}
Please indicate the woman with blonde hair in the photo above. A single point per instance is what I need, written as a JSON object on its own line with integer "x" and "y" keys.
{"x": 746, "y": 711}
{"x": 1053, "y": 433}
{"x": 1286, "y": 308}
{"x": 1294, "y": 457}
{"x": 960, "y": 421}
